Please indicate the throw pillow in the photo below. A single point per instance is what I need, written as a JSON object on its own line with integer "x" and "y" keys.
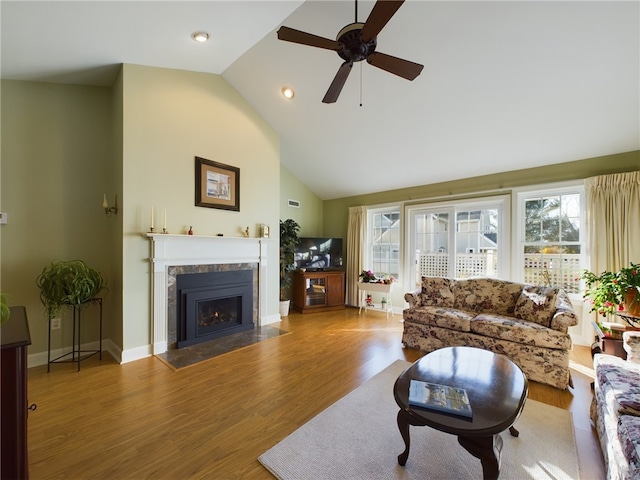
{"x": 437, "y": 291}
{"x": 536, "y": 304}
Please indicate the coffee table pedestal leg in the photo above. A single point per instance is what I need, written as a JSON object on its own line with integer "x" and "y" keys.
{"x": 487, "y": 449}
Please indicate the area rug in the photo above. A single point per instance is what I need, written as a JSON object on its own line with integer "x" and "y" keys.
{"x": 357, "y": 438}
{"x": 188, "y": 356}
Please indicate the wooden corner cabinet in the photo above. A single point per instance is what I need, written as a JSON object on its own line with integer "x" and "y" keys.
{"x": 318, "y": 290}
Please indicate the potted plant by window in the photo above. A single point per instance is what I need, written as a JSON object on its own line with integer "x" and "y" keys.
{"x": 288, "y": 240}
{"x": 68, "y": 283}
{"x": 4, "y": 309}
{"x": 612, "y": 292}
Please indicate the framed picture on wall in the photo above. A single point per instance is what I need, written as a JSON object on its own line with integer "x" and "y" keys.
{"x": 217, "y": 185}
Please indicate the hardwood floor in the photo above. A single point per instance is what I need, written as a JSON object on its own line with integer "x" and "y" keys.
{"x": 212, "y": 420}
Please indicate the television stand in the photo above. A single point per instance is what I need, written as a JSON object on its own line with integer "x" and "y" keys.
{"x": 319, "y": 290}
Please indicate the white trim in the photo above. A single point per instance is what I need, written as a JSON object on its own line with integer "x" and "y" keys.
{"x": 172, "y": 250}
{"x": 271, "y": 319}
{"x": 136, "y": 354}
{"x": 40, "y": 358}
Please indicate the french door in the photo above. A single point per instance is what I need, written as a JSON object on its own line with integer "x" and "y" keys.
{"x": 458, "y": 239}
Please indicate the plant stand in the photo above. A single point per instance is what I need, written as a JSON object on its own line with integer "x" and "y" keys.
{"x": 366, "y": 287}
{"x": 76, "y": 354}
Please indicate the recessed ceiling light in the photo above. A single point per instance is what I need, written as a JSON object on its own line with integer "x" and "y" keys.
{"x": 200, "y": 36}
{"x": 287, "y": 92}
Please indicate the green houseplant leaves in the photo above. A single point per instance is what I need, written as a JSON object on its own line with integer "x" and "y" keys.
{"x": 4, "y": 309}
{"x": 68, "y": 283}
{"x": 288, "y": 240}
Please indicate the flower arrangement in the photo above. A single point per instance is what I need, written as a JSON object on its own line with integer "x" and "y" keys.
{"x": 612, "y": 292}
{"x": 367, "y": 276}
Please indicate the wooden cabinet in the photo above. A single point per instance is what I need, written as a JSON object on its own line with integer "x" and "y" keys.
{"x": 608, "y": 344}
{"x": 13, "y": 372}
{"x": 317, "y": 291}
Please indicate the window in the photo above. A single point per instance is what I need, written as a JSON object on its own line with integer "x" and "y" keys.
{"x": 384, "y": 241}
{"x": 552, "y": 243}
{"x": 458, "y": 239}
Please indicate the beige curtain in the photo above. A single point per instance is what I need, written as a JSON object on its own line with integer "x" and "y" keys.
{"x": 613, "y": 218}
{"x": 356, "y": 238}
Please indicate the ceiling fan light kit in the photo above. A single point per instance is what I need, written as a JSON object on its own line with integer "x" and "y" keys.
{"x": 356, "y": 42}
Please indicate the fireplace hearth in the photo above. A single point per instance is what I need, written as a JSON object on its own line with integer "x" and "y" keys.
{"x": 210, "y": 305}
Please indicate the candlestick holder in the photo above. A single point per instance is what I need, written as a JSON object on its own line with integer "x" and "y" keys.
{"x": 152, "y": 230}
{"x": 164, "y": 230}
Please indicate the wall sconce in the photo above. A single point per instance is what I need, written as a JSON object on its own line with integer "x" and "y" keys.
{"x": 110, "y": 210}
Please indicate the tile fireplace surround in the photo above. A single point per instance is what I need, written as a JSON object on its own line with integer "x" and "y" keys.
{"x": 195, "y": 250}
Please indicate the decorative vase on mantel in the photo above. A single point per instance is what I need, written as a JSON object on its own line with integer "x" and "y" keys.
{"x": 632, "y": 302}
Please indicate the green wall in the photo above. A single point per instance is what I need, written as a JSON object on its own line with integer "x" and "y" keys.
{"x": 309, "y": 214}
{"x": 336, "y": 212}
{"x": 170, "y": 117}
{"x": 56, "y": 164}
{"x": 63, "y": 146}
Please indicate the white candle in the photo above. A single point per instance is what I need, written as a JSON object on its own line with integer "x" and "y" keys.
{"x": 165, "y": 219}
{"x": 105, "y": 204}
{"x": 151, "y": 217}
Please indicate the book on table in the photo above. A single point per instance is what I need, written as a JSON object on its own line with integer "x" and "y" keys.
{"x": 440, "y": 398}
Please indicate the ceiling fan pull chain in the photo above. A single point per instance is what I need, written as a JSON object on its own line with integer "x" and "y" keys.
{"x": 360, "y": 83}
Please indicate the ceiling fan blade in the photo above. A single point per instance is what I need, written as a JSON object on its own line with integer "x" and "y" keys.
{"x": 395, "y": 65}
{"x": 296, "y": 36}
{"x": 382, "y": 12}
{"x": 338, "y": 82}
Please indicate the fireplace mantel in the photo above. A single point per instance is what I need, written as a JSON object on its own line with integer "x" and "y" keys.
{"x": 171, "y": 250}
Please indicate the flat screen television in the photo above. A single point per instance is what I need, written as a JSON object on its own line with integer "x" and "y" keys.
{"x": 319, "y": 253}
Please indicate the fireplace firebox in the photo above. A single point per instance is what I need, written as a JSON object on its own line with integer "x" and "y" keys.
{"x": 210, "y": 305}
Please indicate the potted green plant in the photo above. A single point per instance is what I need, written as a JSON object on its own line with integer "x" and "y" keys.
{"x": 68, "y": 283}
{"x": 288, "y": 240}
{"x": 4, "y": 309}
{"x": 612, "y": 292}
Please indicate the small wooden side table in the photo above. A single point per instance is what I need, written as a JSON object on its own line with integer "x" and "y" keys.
{"x": 608, "y": 344}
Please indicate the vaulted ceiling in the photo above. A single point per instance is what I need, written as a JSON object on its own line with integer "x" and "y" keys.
{"x": 505, "y": 85}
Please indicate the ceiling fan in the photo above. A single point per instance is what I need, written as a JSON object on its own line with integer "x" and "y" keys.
{"x": 357, "y": 42}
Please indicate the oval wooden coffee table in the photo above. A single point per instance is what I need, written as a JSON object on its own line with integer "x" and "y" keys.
{"x": 497, "y": 390}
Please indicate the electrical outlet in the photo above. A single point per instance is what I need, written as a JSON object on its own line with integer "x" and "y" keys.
{"x": 55, "y": 323}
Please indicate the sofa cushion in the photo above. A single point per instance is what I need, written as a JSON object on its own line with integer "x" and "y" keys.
{"x": 486, "y": 295}
{"x": 629, "y": 437}
{"x": 437, "y": 291}
{"x": 619, "y": 382}
{"x": 537, "y": 303}
{"x": 519, "y": 331}
{"x": 444, "y": 317}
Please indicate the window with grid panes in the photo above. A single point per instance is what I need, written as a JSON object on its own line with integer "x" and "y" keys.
{"x": 384, "y": 234}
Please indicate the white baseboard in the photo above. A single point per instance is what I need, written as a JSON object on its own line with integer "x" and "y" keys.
{"x": 40, "y": 358}
{"x": 270, "y": 319}
{"x": 136, "y": 353}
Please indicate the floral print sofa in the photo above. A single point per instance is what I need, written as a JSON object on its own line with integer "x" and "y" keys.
{"x": 527, "y": 323}
{"x": 615, "y": 409}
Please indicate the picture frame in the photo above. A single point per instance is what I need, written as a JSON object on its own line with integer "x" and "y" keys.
{"x": 217, "y": 185}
